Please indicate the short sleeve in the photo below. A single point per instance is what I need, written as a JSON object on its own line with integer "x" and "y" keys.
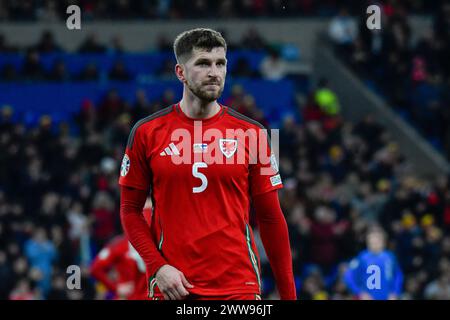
{"x": 134, "y": 170}
{"x": 264, "y": 174}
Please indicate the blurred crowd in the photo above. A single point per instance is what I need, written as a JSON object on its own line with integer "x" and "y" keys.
{"x": 59, "y": 198}
{"x": 52, "y": 10}
{"x": 413, "y": 75}
{"x": 31, "y": 68}
{"x": 343, "y": 178}
{"x": 251, "y": 39}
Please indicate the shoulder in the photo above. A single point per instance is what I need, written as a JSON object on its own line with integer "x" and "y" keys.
{"x": 116, "y": 245}
{"x": 390, "y": 255}
{"x": 365, "y": 254}
{"x": 147, "y": 122}
{"x": 242, "y": 119}
{"x": 116, "y": 241}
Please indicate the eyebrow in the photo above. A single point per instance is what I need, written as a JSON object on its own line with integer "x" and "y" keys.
{"x": 203, "y": 60}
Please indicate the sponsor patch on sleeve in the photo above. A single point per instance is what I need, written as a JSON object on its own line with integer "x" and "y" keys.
{"x": 274, "y": 163}
{"x": 275, "y": 180}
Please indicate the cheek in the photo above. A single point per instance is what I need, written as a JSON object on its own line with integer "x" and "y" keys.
{"x": 224, "y": 74}
{"x": 195, "y": 75}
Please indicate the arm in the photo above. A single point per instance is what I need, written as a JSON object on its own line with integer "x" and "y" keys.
{"x": 136, "y": 229}
{"x": 170, "y": 281}
{"x": 275, "y": 238}
{"x": 350, "y": 275}
{"x": 398, "y": 280}
{"x": 100, "y": 268}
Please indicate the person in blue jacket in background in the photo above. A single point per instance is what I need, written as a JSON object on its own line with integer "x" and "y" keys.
{"x": 375, "y": 273}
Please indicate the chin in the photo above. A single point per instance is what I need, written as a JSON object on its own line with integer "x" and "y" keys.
{"x": 209, "y": 96}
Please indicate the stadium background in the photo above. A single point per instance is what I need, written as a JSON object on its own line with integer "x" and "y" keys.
{"x": 363, "y": 118}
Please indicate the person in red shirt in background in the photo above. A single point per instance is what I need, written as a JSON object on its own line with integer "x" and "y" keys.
{"x": 119, "y": 255}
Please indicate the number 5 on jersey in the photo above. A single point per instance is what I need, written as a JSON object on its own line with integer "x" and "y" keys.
{"x": 199, "y": 175}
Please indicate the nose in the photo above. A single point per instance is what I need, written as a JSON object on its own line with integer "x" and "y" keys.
{"x": 213, "y": 71}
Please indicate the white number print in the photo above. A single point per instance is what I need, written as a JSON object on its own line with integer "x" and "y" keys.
{"x": 199, "y": 175}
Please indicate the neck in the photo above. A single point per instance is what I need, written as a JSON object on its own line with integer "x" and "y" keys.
{"x": 195, "y": 108}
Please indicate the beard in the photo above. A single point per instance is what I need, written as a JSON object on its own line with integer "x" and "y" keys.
{"x": 203, "y": 94}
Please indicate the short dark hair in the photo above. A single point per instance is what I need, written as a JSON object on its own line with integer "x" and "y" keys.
{"x": 376, "y": 229}
{"x": 199, "y": 38}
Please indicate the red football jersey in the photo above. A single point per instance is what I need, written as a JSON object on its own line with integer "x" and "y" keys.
{"x": 129, "y": 266}
{"x": 201, "y": 183}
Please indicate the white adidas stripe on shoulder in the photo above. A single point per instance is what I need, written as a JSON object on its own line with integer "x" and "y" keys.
{"x": 174, "y": 149}
{"x": 168, "y": 151}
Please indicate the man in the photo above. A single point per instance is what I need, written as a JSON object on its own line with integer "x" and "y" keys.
{"x": 204, "y": 248}
{"x": 119, "y": 255}
{"x": 374, "y": 274}
{"x": 130, "y": 281}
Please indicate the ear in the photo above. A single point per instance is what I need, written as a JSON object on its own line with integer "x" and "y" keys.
{"x": 179, "y": 71}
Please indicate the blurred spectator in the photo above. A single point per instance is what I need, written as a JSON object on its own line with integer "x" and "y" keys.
{"x": 110, "y": 107}
{"x": 326, "y": 99}
{"x": 163, "y": 43}
{"x": 313, "y": 287}
{"x": 91, "y": 45}
{"x": 59, "y": 72}
{"x": 119, "y": 256}
{"x": 119, "y": 72}
{"x": 6, "y": 274}
{"x": 47, "y": 43}
{"x": 49, "y": 11}
{"x": 439, "y": 289}
{"x": 253, "y": 40}
{"x": 242, "y": 69}
{"x": 58, "y": 290}
{"x": 231, "y": 45}
{"x": 325, "y": 232}
{"x": 41, "y": 253}
{"x": 360, "y": 58}
{"x": 32, "y": 68}
{"x": 105, "y": 218}
{"x": 163, "y": 8}
{"x": 166, "y": 71}
{"x": 78, "y": 222}
{"x": 142, "y": 107}
{"x": 168, "y": 97}
{"x": 89, "y": 73}
{"x": 236, "y": 98}
{"x": 24, "y": 291}
{"x": 116, "y": 46}
{"x": 369, "y": 283}
{"x": 9, "y": 73}
{"x": 273, "y": 67}
{"x": 86, "y": 119}
{"x": 343, "y": 30}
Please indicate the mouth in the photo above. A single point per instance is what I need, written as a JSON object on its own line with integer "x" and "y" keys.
{"x": 211, "y": 87}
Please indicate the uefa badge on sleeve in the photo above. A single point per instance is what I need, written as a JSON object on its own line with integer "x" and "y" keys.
{"x": 125, "y": 167}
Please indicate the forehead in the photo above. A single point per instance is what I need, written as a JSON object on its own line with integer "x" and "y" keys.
{"x": 375, "y": 235}
{"x": 215, "y": 54}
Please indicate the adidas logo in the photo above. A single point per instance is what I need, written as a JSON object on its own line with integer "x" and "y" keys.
{"x": 170, "y": 150}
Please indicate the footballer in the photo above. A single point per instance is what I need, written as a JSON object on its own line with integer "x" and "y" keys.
{"x": 201, "y": 245}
